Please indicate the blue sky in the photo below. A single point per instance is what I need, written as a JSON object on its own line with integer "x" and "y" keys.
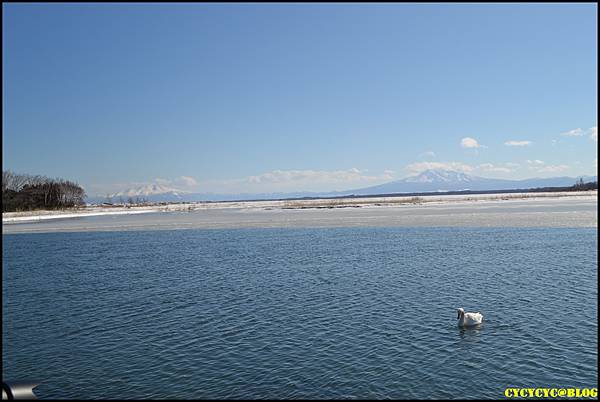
{"x": 285, "y": 97}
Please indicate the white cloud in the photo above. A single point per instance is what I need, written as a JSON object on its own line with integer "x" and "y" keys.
{"x": 428, "y": 154}
{"x": 308, "y": 176}
{"x": 593, "y": 134}
{"x": 418, "y": 167}
{"x": 164, "y": 182}
{"x": 181, "y": 182}
{"x": 535, "y": 162}
{"x": 298, "y": 180}
{"x": 483, "y": 168}
{"x": 513, "y": 143}
{"x": 272, "y": 181}
{"x": 187, "y": 181}
{"x": 541, "y": 166}
{"x": 573, "y": 133}
{"x": 469, "y": 142}
{"x": 552, "y": 168}
{"x": 489, "y": 167}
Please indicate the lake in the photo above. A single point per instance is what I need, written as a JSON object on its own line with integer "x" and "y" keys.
{"x": 346, "y": 312}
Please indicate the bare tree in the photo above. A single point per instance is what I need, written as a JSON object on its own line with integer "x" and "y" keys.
{"x": 13, "y": 181}
{"x": 6, "y": 178}
{"x": 26, "y": 192}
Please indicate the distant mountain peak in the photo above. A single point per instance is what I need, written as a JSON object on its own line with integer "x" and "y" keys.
{"x": 443, "y": 180}
{"x": 440, "y": 176}
{"x": 150, "y": 189}
{"x": 431, "y": 180}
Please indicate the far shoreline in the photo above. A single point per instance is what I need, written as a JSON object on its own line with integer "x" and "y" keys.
{"x": 11, "y": 218}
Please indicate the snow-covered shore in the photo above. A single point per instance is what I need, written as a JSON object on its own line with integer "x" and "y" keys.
{"x": 370, "y": 202}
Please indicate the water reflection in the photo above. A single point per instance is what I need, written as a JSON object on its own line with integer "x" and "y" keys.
{"x": 470, "y": 333}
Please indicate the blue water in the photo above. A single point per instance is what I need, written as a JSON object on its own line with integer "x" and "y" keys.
{"x": 300, "y": 313}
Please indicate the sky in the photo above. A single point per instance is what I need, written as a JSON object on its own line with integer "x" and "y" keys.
{"x": 233, "y": 98}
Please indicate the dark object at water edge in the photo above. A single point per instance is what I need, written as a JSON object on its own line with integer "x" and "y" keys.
{"x": 18, "y": 390}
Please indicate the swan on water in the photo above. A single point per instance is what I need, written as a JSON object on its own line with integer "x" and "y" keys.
{"x": 468, "y": 319}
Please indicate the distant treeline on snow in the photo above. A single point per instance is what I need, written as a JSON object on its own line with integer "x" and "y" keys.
{"x": 24, "y": 192}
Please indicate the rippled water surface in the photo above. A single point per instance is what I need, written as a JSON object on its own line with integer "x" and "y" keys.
{"x": 300, "y": 313}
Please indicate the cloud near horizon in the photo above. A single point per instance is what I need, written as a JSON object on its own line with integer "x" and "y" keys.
{"x": 272, "y": 181}
{"x": 552, "y": 168}
{"x": 419, "y": 167}
{"x": 299, "y": 180}
{"x": 308, "y": 180}
{"x": 535, "y": 162}
{"x": 541, "y": 167}
{"x": 284, "y": 176}
{"x": 182, "y": 182}
{"x": 489, "y": 167}
{"x": 314, "y": 180}
{"x": 482, "y": 168}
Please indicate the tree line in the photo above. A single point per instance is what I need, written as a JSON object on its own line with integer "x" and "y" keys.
{"x": 580, "y": 185}
{"x": 24, "y": 192}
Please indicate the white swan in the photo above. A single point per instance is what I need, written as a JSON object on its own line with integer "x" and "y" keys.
{"x": 468, "y": 319}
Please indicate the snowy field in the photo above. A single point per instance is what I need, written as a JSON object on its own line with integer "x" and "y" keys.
{"x": 32, "y": 216}
{"x": 567, "y": 209}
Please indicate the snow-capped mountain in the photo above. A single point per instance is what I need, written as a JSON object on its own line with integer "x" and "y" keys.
{"x": 152, "y": 192}
{"x": 434, "y": 180}
{"x": 448, "y": 180}
{"x": 440, "y": 176}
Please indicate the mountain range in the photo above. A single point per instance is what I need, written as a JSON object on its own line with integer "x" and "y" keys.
{"x": 437, "y": 180}
{"x": 151, "y": 192}
{"x": 433, "y": 180}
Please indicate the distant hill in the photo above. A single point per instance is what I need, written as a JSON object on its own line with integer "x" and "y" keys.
{"x": 151, "y": 192}
{"x": 437, "y": 180}
{"x": 433, "y": 180}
